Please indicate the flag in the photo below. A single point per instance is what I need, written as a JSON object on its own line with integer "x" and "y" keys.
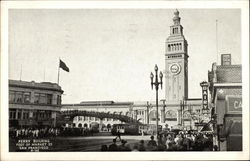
{"x": 63, "y": 66}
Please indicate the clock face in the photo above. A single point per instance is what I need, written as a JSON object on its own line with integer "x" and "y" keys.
{"x": 175, "y": 68}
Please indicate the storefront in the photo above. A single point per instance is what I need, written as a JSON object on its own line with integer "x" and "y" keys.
{"x": 226, "y": 113}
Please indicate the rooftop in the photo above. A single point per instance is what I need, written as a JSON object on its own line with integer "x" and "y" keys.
{"x": 99, "y": 103}
{"x": 225, "y": 74}
{"x": 229, "y": 74}
{"x": 35, "y": 85}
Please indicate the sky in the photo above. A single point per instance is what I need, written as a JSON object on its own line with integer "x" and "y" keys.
{"x": 111, "y": 52}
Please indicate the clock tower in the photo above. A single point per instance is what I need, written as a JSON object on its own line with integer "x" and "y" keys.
{"x": 176, "y": 61}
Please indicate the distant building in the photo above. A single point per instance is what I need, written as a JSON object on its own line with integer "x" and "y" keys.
{"x": 226, "y": 98}
{"x": 144, "y": 112}
{"x": 110, "y": 107}
{"x": 33, "y": 104}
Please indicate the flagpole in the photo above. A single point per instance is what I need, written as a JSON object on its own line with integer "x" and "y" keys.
{"x": 21, "y": 72}
{"x": 58, "y": 72}
{"x": 217, "y": 59}
{"x": 44, "y": 74}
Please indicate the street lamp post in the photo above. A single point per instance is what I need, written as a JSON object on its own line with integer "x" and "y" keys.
{"x": 156, "y": 83}
{"x": 147, "y": 112}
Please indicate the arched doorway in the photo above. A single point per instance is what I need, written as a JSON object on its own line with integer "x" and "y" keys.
{"x": 109, "y": 127}
{"x": 152, "y": 115}
{"x": 171, "y": 115}
{"x": 85, "y": 125}
{"x": 94, "y": 126}
{"x": 80, "y": 125}
{"x": 186, "y": 115}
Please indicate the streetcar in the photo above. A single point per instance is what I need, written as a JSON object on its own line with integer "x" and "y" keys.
{"x": 135, "y": 129}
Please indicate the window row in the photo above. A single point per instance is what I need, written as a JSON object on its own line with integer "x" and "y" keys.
{"x": 41, "y": 98}
{"x": 175, "y": 30}
{"x": 140, "y": 112}
{"x": 174, "y": 56}
{"x": 25, "y": 97}
{"x": 174, "y": 47}
{"x": 26, "y": 114}
{"x": 19, "y": 97}
{"x": 87, "y": 118}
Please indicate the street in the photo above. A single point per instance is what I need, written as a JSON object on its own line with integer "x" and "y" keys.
{"x": 82, "y": 143}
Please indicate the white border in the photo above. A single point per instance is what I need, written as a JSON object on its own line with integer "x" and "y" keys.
{"x": 5, "y": 155}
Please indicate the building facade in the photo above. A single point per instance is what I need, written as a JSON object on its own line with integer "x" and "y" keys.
{"x": 109, "y": 107}
{"x": 33, "y": 104}
{"x": 226, "y": 99}
{"x": 144, "y": 112}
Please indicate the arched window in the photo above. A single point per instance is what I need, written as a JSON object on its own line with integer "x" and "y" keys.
{"x": 152, "y": 115}
{"x": 186, "y": 115}
{"x": 180, "y": 46}
{"x": 171, "y": 114}
{"x": 169, "y": 49}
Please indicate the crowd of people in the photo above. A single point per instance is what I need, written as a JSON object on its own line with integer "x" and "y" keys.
{"x": 34, "y": 132}
{"x": 181, "y": 141}
{"x": 167, "y": 142}
{"x": 41, "y": 132}
{"x": 77, "y": 132}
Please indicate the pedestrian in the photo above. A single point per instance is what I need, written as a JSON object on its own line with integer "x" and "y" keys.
{"x": 168, "y": 141}
{"x": 135, "y": 148}
{"x": 171, "y": 146}
{"x": 118, "y": 135}
{"x": 104, "y": 148}
{"x": 152, "y": 142}
{"x": 113, "y": 146}
{"x": 141, "y": 146}
{"x": 152, "y": 145}
{"x": 123, "y": 146}
{"x": 215, "y": 148}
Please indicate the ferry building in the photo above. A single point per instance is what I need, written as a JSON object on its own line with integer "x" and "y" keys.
{"x": 177, "y": 110}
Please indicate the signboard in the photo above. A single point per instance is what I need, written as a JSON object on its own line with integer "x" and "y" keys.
{"x": 234, "y": 104}
{"x": 204, "y": 86}
{"x": 225, "y": 59}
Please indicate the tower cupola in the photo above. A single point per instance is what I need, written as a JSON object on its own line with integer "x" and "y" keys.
{"x": 176, "y": 18}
